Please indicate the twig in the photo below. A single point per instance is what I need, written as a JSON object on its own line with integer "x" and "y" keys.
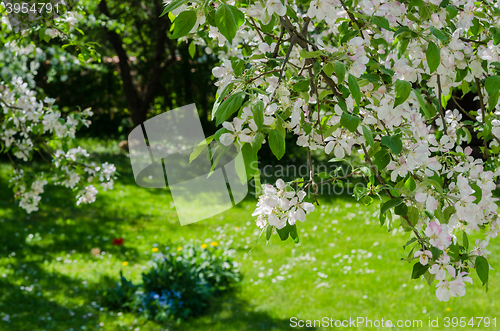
{"x": 374, "y": 169}
{"x": 12, "y": 161}
{"x": 262, "y": 74}
{"x": 9, "y": 106}
{"x": 461, "y": 108}
{"x": 278, "y": 44}
{"x": 292, "y": 42}
{"x": 43, "y": 157}
{"x": 351, "y": 16}
{"x": 473, "y": 41}
{"x": 256, "y": 29}
{"x": 441, "y": 111}
{"x": 483, "y": 112}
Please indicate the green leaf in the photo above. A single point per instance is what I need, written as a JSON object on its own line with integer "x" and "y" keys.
{"x": 228, "y": 19}
{"x": 249, "y": 156}
{"x": 269, "y": 232}
{"x": 403, "y": 90}
{"x": 412, "y": 215}
{"x": 354, "y": 88}
{"x": 435, "y": 252}
{"x": 301, "y": 86}
{"x": 171, "y": 6}
{"x": 368, "y": 136}
{"x": 492, "y": 84}
{"x": 368, "y": 173}
{"x": 277, "y": 143}
{"x": 340, "y": 71}
{"x": 495, "y": 32}
{"x": 461, "y": 73}
{"x": 394, "y": 143}
{"x": 482, "y": 268}
{"x": 382, "y": 219}
{"x": 418, "y": 270}
{"x": 381, "y": 22}
{"x": 478, "y": 192}
{"x": 307, "y": 55}
{"x": 229, "y": 106}
{"x": 435, "y": 184}
{"x": 452, "y": 11}
{"x": 258, "y": 113}
{"x": 360, "y": 192}
{"x": 390, "y": 204}
{"x": 381, "y": 159}
{"x": 183, "y": 23}
{"x": 210, "y": 15}
{"x": 223, "y": 93}
{"x": 409, "y": 242}
{"x": 294, "y": 234}
{"x": 465, "y": 240}
{"x": 201, "y": 146}
{"x": 422, "y": 104}
{"x": 219, "y": 133}
{"x": 350, "y": 122}
{"x": 238, "y": 66}
{"x": 258, "y": 237}
{"x": 401, "y": 210}
{"x": 433, "y": 57}
{"x": 257, "y": 141}
{"x": 328, "y": 69}
{"x": 425, "y": 12}
{"x": 439, "y": 35}
{"x": 492, "y": 102}
{"x": 429, "y": 277}
{"x": 192, "y": 49}
{"x": 454, "y": 251}
{"x": 402, "y": 46}
{"x": 448, "y": 211}
{"x": 284, "y": 232}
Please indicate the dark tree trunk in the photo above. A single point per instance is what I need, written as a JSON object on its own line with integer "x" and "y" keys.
{"x": 139, "y": 103}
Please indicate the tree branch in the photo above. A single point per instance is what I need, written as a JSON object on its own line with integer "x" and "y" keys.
{"x": 441, "y": 111}
{"x": 483, "y": 112}
{"x": 374, "y": 169}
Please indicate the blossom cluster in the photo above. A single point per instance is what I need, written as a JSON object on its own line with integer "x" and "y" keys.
{"x": 378, "y": 77}
{"x": 281, "y": 205}
{"x": 30, "y": 124}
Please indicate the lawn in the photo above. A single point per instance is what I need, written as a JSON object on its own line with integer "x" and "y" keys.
{"x": 346, "y": 264}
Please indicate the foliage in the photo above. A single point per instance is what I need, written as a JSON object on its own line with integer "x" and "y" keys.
{"x": 344, "y": 262}
{"x": 377, "y": 77}
{"x": 180, "y": 283}
{"x": 32, "y": 123}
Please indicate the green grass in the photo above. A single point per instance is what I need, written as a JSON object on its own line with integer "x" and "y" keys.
{"x": 346, "y": 265}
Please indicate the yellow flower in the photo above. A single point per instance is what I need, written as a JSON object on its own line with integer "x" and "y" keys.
{"x": 214, "y": 243}
{"x": 179, "y": 248}
{"x": 204, "y": 246}
{"x": 154, "y": 249}
{"x": 448, "y": 309}
{"x": 125, "y": 263}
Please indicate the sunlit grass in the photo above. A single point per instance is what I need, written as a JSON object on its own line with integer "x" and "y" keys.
{"x": 345, "y": 265}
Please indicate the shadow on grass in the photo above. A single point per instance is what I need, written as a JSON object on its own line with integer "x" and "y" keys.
{"x": 230, "y": 312}
{"x": 30, "y": 307}
{"x": 35, "y": 296}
